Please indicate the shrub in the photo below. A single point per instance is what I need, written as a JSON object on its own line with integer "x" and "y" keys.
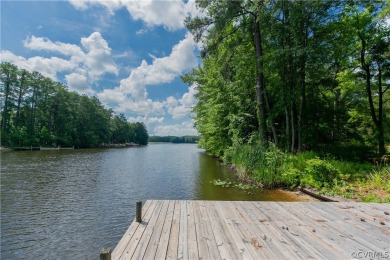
{"x": 348, "y": 151}
{"x": 319, "y": 173}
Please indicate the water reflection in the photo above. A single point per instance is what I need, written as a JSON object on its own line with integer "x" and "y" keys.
{"x": 71, "y": 203}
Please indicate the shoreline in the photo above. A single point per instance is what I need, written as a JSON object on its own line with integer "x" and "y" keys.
{"x": 299, "y": 195}
{"x": 306, "y": 194}
{"x": 41, "y": 148}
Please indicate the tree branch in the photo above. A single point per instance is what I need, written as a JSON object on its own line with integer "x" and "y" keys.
{"x": 387, "y": 88}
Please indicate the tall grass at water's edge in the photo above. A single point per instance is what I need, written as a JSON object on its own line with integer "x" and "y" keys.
{"x": 272, "y": 168}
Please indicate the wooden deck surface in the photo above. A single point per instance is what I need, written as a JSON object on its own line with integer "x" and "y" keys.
{"x": 257, "y": 230}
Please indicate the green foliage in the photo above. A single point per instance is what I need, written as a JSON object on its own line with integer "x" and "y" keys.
{"x": 323, "y": 68}
{"x": 40, "y": 112}
{"x": 315, "y": 87}
{"x": 231, "y": 184}
{"x": 44, "y": 136}
{"x": 271, "y": 167}
{"x": 319, "y": 173}
{"x": 174, "y": 139}
{"x": 351, "y": 151}
{"x": 141, "y": 134}
{"x": 350, "y": 170}
{"x": 221, "y": 183}
{"x": 226, "y": 108}
{"x": 263, "y": 164}
{"x": 376, "y": 188}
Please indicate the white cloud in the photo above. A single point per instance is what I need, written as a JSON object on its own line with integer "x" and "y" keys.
{"x": 44, "y": 44}
{"x": 155, "y": 120}
{"x": 141, "y": 31}
{"x": 83, "y": 64}
{"x": 171, "y": 101}
{"x": 98, "y": 57}
{"x": 188, "y": 99}
{"x": 141, "y": 107}
{"x": 178, "y": 112}
{"x": 79, "y": 83}
{"x": 80, "y": 5}
{"x": 87, "y": 62}
{"x": 131, "y": 96}
{"x": 182, "y": 107}
{"x": 185, "y": 128}
{"x": 147, "y": 120}
{"x": 150, "y": 122}
{"x": 129, "y": 55}
{"x": 48, "y": 67}
{"x": 162, "y": 70}
{"x": 170, "y": 14}
{"x": 114, "y": 96}
{"x": 132, "y": 92}
{"x": 158, "y": 13}
{"x": 110, "y": 5}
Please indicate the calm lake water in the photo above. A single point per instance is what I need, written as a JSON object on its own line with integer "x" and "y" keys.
{"x": 69, "y": 204}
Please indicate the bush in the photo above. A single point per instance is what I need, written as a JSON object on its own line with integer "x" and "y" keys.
{"x": 246, "y": 158}
{"x": 269, "y": 171}
{"x": 348, "y": 151}
{"x": 265, "y": 165}
{"x": 271, "y": 167}
{"x": 319, "y": 173}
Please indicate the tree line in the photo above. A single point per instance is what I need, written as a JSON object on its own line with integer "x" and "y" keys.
{"x": 299, "y": 74}
{"x": 37, "y": 111}
{"x": 174, "y": 139}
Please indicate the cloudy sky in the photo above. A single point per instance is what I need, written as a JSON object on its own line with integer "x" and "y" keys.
{"x": 130, "y": 54}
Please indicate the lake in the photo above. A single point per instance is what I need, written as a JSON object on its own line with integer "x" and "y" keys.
{"x": 71, "y": 203}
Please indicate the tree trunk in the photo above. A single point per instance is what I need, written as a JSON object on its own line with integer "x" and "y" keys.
{"x": 287, "y": 87}
{"x": 381, "y": 137}
{"x": 273, "y": 129}
{"x": 260, "y": 82}
{"x": 293, "y": 128}
{"x": 20, "y": 96}
{"x": 6, "y": 101}
{"x": 33, "y": 111}
{"x": 302, "y": 101}
{"x": 366, "y": 69}
{"x": 336, "y": 104}
{"x": 302, "y": 72}
{"x": 288, "y": 137}
{"x": 377, "y": 120}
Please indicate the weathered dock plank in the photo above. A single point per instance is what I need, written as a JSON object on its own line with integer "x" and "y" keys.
{"x": 352, "y": 228}
{"x": 173, "y": 243}
{"x": 257, "y": 230}
{"x": 159, "y": 239}
{"x": 191, "y": 234}
{"x": 163, "y": 243}
{"x": 153, "y": 230}
{"x": 223, "y": 238}
{"x": 133, "y": 230}
{"x": 183, "y": 240}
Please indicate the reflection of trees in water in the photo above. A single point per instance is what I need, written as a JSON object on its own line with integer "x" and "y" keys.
{"x": 211, "y": 169}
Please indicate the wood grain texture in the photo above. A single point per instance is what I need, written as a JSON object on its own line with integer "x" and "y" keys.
{"x": 256, "y": 230}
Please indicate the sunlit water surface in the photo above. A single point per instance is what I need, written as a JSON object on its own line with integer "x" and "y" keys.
{"x": 69, "y": 204}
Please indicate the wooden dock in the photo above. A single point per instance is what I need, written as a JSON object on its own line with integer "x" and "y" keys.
{"x": 257, "y": 230}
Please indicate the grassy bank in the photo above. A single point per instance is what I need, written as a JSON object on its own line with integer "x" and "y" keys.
{"x": 273, "y": 168}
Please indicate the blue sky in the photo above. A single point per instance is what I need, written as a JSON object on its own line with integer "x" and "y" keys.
{"x": 130, "y": 54}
